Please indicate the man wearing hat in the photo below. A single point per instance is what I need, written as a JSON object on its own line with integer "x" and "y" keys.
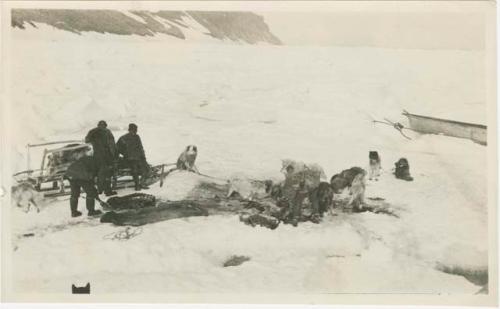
{"x": 130, "y": 146}
{"x": 105, "y": 154}
{"x": 81, "y": 174}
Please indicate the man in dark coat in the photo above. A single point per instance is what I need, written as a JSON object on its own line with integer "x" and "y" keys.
{"x": 130, "y": 146}
{"x": 81, "y": 174}
{"x": 105, "y": 153}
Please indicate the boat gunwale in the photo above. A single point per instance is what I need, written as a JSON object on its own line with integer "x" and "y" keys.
{"x": 446, "y": 120}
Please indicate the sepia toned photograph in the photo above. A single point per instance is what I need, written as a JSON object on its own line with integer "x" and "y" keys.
{"x": 249, "y": 152}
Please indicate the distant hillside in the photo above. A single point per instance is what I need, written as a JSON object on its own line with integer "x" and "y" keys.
{"x": 247, "y": 27}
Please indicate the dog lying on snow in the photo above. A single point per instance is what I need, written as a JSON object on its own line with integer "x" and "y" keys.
{"x": 24, "y": 195}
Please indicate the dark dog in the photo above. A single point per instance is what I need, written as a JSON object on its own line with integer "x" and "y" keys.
{"x": 374, "y": 165}
{"x": 402, "y": 170}
{"x": 344, "y": 180}
{"x": 275, "y": 191}
{"x": 321, "y": 198}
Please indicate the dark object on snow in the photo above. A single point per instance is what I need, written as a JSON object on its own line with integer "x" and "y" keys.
{"x": 344, "y": 180}
{"x": 376, "y": 210}
{"x": 164, "y": 211}
{"x": 373, "y": 155}
{"x": 236, "y": 260}
{"x": 132, "y": 201}
{"x": 403, "y": 170}
{"x": 260, "y": 219}
{"x": 275, "y": 191}
{"x": 321, "y": 198}
{"x": 124, "y": 234}
{"x": 296, "y": 204}
{"x": 376, "y": 198}
{"x": 80, "y": 290}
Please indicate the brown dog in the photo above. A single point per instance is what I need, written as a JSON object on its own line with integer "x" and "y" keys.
{"x": 344, "y": 180}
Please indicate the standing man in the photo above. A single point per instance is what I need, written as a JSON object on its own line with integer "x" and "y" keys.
{"x": 130, "y": 146}
{"x": 105, "y": 153}
{"x": 81, "y": 174}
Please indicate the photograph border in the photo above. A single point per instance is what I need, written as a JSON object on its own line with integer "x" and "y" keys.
{"x": 491, "y": 299}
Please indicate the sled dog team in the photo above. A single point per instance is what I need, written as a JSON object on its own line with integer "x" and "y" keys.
{"x": 321, "y": 195}
{"x": 105, "y": 155}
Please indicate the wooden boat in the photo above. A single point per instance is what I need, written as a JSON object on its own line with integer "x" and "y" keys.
{"x": 431, "y": 125}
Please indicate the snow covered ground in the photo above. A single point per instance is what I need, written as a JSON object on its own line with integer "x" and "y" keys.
{"x": 246, "y": 108}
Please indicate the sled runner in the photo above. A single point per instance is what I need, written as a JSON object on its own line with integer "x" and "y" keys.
{"x": 49, "y": 178}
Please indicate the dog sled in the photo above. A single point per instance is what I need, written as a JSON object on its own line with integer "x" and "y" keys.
{"x": 58, "y": 156}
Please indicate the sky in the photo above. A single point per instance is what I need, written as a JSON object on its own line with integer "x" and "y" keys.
{"x": 388, "y": 24}
{"x": 397, "y": 29}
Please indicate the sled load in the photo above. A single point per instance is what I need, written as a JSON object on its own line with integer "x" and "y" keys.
{"x": 49, "y": 178}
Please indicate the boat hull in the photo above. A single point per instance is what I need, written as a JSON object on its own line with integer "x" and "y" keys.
{"x": 431, "y": 125}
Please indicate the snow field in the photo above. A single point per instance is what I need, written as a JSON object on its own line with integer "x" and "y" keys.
{"x": 246, "y": 108}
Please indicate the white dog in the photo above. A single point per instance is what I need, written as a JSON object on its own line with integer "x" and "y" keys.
{"x": 357, "y": 191}
{"x": 24, "y": 195}
{"x": 186, "y": 160}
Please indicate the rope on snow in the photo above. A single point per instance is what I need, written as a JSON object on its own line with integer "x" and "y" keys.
{"x": 396, "y": 125}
